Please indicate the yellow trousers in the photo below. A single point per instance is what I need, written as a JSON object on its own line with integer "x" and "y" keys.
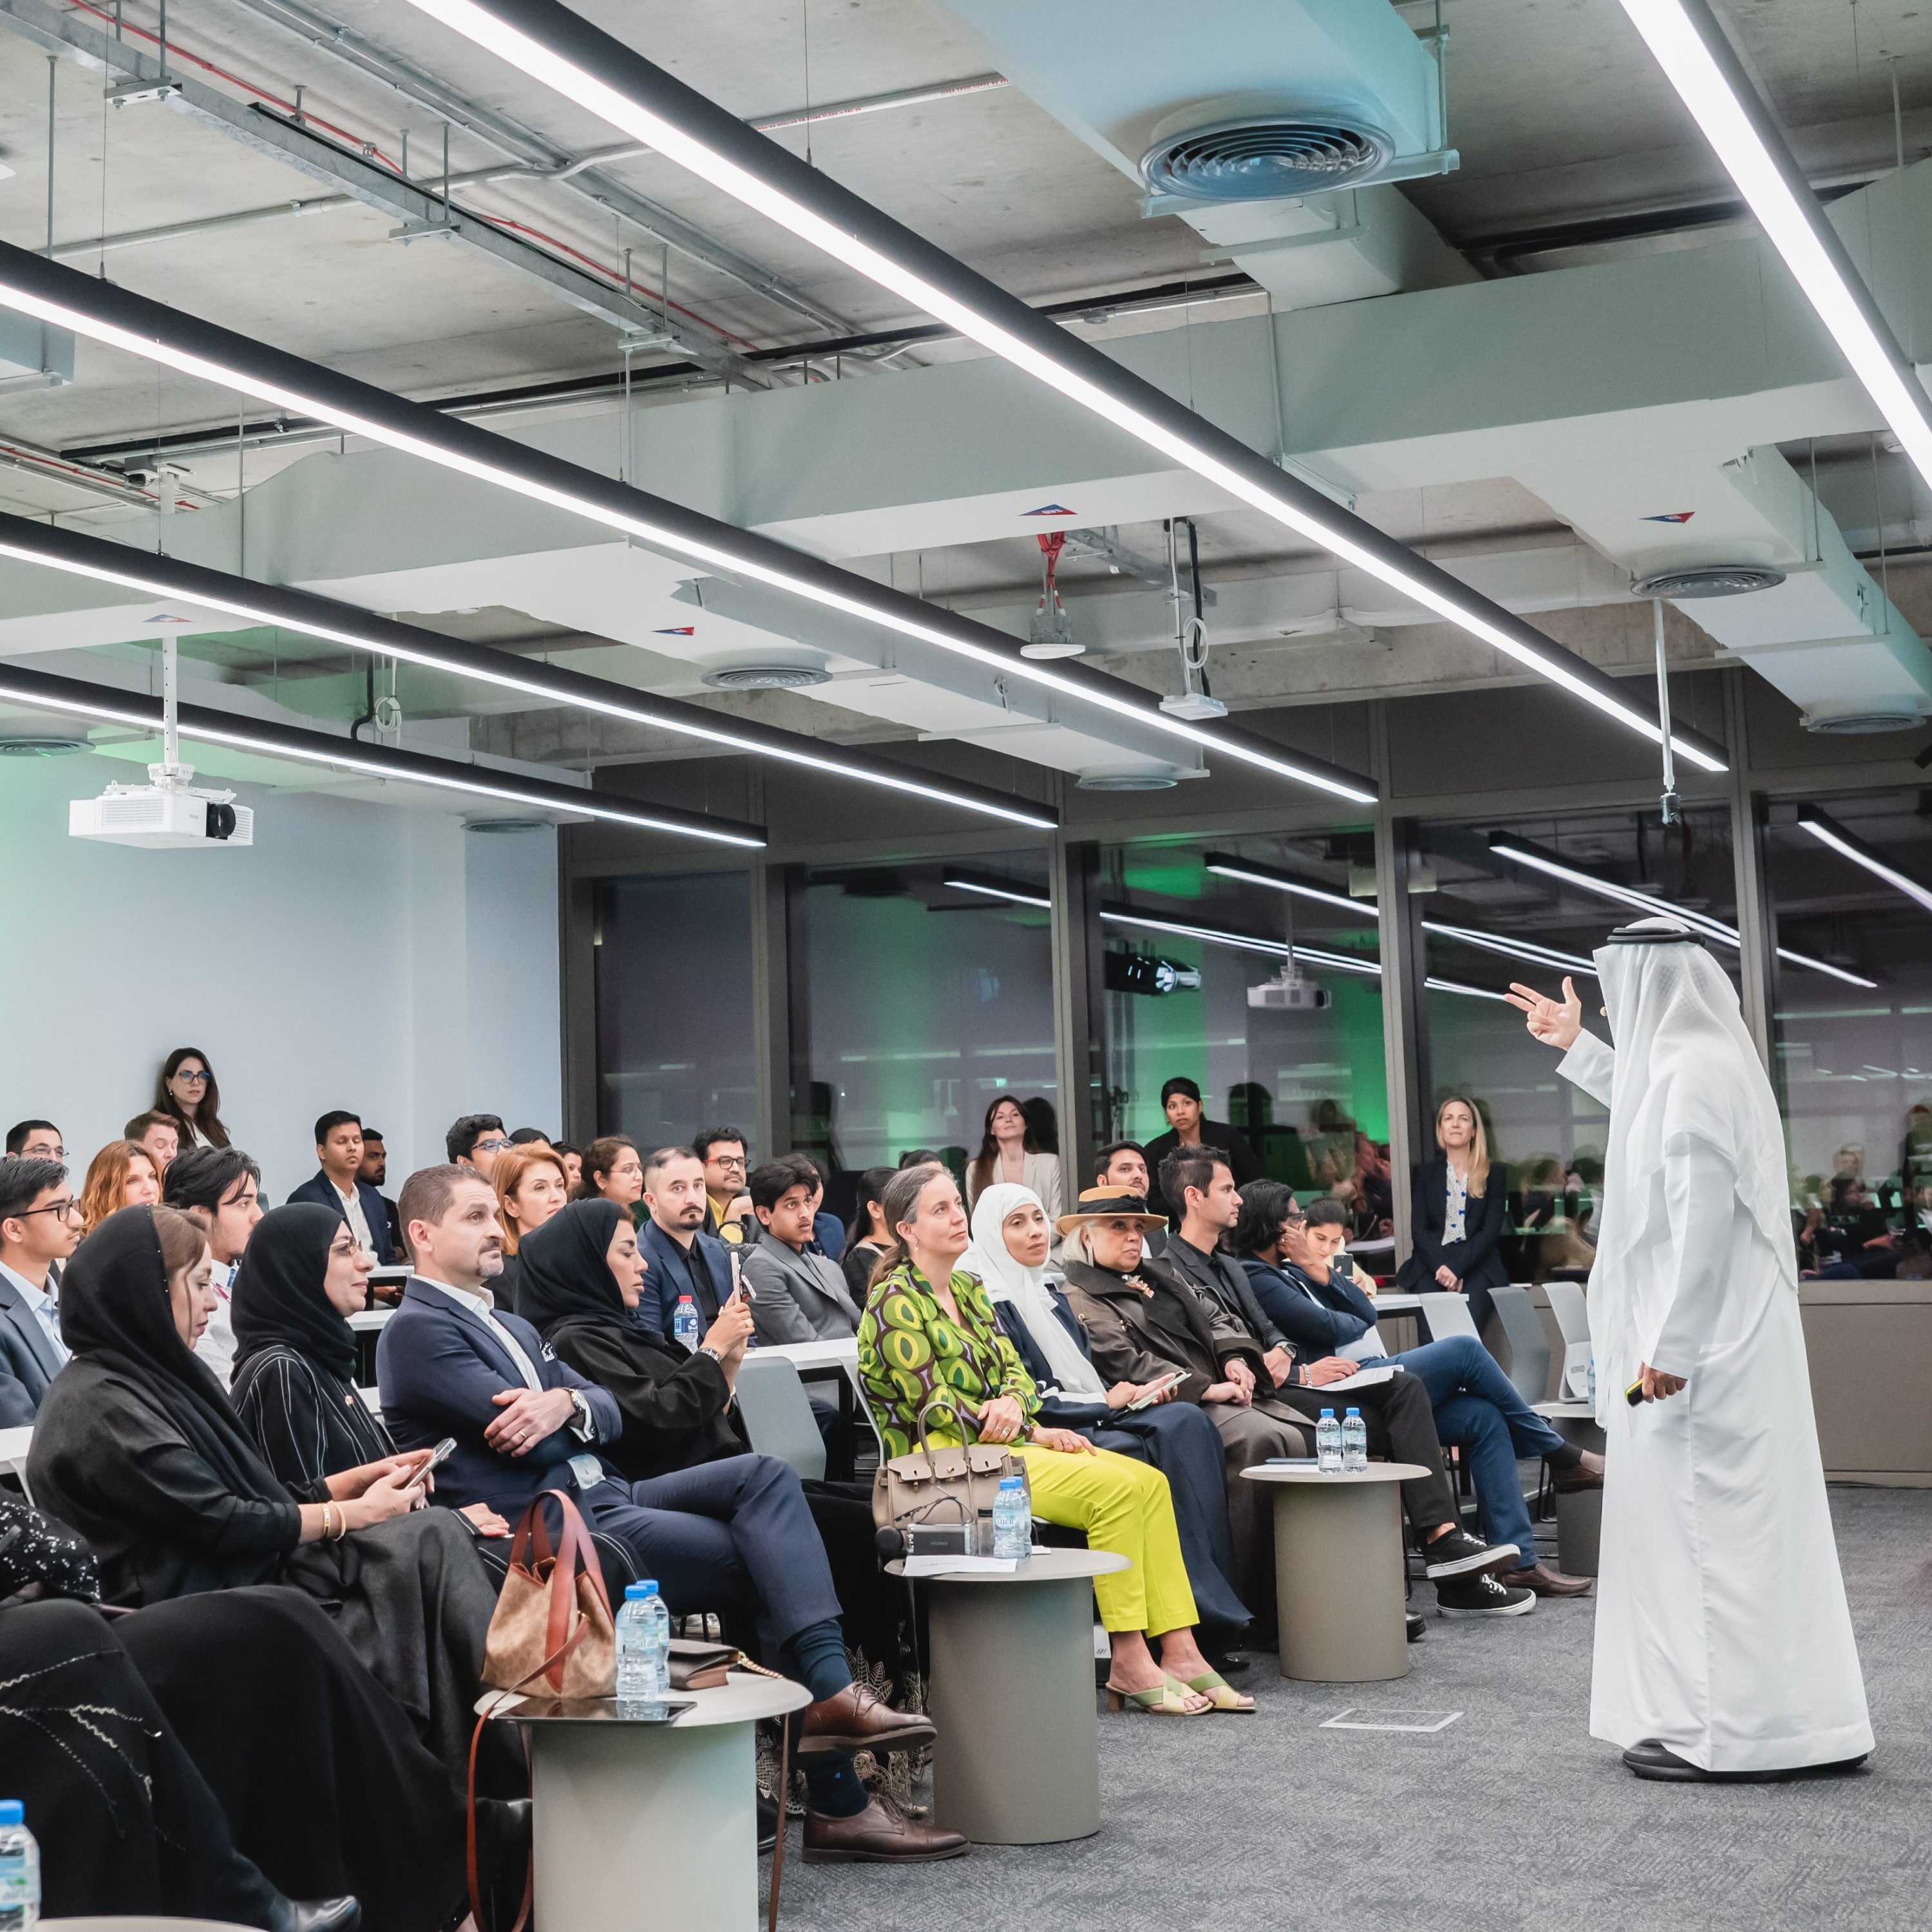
{"x": 1125, "y": 1507}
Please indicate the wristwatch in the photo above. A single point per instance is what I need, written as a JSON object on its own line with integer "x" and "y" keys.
{"x": 585, "y": 1425}
{"x": 705, "y": 1348}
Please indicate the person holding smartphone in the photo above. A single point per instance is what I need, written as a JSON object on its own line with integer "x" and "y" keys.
{"x": 1010, "y": 1240}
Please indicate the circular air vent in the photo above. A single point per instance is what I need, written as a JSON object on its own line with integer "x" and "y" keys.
{"x": 1853, "y": 722}
{"x": 1265, "y": 157}
{"x": 1126, "y": 781}
{"x": 1709, "y": 579}
{"x": 16, "y": 744}
{"x": 766, "y": 677}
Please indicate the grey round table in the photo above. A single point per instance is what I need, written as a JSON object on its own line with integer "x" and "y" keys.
{"x": 648, "y": 1825}
{"x": 1580, "y": 1515}
{"x": 1011, "y": 1677}
{"x": 1338, "y": 1568}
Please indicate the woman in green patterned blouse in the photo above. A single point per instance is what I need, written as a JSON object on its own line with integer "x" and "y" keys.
{"x": 928, "y": 1331}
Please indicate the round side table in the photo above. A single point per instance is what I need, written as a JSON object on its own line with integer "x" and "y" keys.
{"x": 1018, "y": 1761}
{"x": 647, "y": 1825}
{"x": 1338, "y": 1568}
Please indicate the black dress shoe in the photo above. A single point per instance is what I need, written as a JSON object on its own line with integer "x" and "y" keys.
{"x": 1418, "y": 1627}
{"x": 768, "y": 1823}
{"x": 315, "y": 1915}
{"x": 1654, "y": 1759}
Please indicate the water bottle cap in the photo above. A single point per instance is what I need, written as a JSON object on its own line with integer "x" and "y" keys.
{"x": 1012, "y": 1482}
{"x": 1354, "y": 1411}
{"x": 637, "y": 1592}
{"x": 682, "y": 1299}
{"x": 11, "y": 1812}
{"x": 1327, "y": 1415}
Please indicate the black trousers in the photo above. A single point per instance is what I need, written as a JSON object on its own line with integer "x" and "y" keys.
{"x": 1401, "y": 1424}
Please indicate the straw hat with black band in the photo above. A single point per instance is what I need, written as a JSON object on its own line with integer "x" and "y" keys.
{"x": 1110, "y": 1204}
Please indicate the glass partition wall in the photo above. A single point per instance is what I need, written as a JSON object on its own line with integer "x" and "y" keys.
{"x": 921, "y": 994}
{"x": 1849, "y": 883}
{"x": 1195, "y": 938}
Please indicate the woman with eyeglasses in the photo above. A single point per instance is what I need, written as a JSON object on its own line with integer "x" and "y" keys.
{"x": 613, "y": 1171}
{"x": 188, "y": 1093}
{"x": 124, "y": 1174}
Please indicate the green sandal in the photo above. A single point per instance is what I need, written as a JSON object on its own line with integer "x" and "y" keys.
{"x": 1211, "y": 1684}
{"x": 1167, "y": 1699}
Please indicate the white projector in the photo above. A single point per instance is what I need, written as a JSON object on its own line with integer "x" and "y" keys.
{"x": 1291, "y": 991}
{"x": 162, "y": 816}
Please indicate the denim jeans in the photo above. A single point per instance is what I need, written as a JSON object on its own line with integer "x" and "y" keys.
{"x": 1477, "y": 1406}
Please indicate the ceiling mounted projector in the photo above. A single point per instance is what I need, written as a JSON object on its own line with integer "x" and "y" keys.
{"x": 1291, "y": 991}
{"x": 167, "y": 815}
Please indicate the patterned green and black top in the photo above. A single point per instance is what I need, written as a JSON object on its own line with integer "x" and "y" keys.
{"x": 910, "y": 1350}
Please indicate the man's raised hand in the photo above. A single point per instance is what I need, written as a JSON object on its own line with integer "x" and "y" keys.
{"x": 1555, "y": 1023}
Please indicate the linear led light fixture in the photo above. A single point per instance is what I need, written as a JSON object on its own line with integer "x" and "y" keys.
{"x": 600, "y": 74}
{"x": 1276, "y": 949}
{"x": 1522, "y": 854}
{"x": 1703, "y": 66}
{"x": 72, "y": 698}
{"x": 66, "y": 299}
{"x": 1828, "y": 831}
{"x": 105, "y": 561}
{"x": 997, "y": 892}
{"x": 1226, "y": 868}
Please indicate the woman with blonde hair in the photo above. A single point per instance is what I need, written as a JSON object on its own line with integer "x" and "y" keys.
{"x": 124, "y": 1174}
{"x": 929, "y": 1341}
{"x": 1457, "y": 1215}
{"x": 532, "y": 1184}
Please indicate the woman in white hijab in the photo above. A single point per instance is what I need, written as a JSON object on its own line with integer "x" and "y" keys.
{"x": 1723, "y": 1647}
{"x": 1010, "y": 1240}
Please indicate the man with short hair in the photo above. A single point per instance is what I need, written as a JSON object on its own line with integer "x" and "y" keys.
{"x": 35, "y": 1140}
{"x": 680, "y": 1258}
{"x": 338, "y": 1145}
{"x": 475, "y": 1141}
{"x": 722, "y": 1151}
{"x": 39, "y": 1227}
{"x": 373, "y": 1172}
{"x": 1399, "y": 1418}
{"x": 218, "y": 1189}
{"x": 159, "y": 1135}
{"x": 734, "y": 1534}
{"x": 799, "y": 1293}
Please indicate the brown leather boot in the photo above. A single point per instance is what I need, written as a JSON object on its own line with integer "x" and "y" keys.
{"x": 1545, "y": 1582}
{"x": 855, "y": 1721}
{"x": 881, "y": 1835}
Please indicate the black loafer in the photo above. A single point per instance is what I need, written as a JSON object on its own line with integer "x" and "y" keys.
{"x": 1653, "y": 1760}
{"x": 1418, "y": 1627}
{"x": 317, "y": 1915}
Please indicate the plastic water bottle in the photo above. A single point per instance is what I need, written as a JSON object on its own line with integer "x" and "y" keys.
{"x": 19, "y": 1871}
{"x": 1328, "y": 1445}
{"x": 1012, "y": 1522}
{"x": 684, "y": 1324}
{"x": 643, "y": 1644}
{"x": 1354, "y": 1441}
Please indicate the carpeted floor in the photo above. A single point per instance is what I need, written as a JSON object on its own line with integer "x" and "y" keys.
{"x": 1512, "y": 1818}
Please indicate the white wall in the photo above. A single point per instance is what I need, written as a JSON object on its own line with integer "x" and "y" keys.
{"x": 359, "y": 955}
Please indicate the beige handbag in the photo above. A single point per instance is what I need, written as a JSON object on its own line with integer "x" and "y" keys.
{"x": 553, "y": 1618}
{"x": 939, "y": 1488}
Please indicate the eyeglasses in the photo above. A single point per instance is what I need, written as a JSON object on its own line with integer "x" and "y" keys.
{"x": 193, "y": 1079}
{"x": 728, "y": 1159}
{"x": 43, "y": 1154}
{"x": 68, "y": 1210}
{"x": 492, "y": 1147}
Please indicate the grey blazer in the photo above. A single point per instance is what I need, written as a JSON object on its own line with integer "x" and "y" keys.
{"x": 796, "y": 1298}
{"x": 28, "y": 1362}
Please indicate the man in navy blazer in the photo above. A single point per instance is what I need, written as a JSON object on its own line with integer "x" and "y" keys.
{"x": 734, "y": 1535}
{"x": 38, "y": 1230}
{"x": 338, "y": 1144}
{"x": 680, "y": 1258}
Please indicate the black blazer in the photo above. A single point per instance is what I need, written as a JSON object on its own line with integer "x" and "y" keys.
{"x": 1230, "y": 1142}
{"x": 1474, "y": 1259}
{"x": 320, "y": 1189}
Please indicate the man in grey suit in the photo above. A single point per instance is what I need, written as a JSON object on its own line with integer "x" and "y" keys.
{"x": 39, "y": 1225}
{"x": 799, "y": 1292}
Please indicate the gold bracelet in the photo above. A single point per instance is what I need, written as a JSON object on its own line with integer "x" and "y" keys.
{"x": 325, "y": 1523}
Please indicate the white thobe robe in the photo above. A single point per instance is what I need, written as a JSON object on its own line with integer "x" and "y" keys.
{"x": 1721, "y": 1624}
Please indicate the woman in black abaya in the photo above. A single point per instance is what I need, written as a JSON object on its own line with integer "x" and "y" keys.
{"x": 136, "y": 1446}
{"x": 214, "y": 1759}
{"x": 679, "y": 1410}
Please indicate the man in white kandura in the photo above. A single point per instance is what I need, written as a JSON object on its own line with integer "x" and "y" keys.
{"x": 1724, "y": 1648}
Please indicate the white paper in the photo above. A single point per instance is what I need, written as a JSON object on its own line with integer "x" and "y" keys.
{"x": 1362, "y": 1378}
{"x": 961, "y": 1566}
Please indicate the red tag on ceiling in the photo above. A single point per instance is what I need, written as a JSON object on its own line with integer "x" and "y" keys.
{"x": 1670, "y": 516}
{"x": 1050, "y": 510}
{"x": 679, "y": 630}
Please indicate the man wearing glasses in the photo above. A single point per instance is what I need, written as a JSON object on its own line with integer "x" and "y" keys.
{"x": 35, "y": 1140}
{"x": 722, "y": 1151}
{"x": 39, "y": 1225}
{"x": 475, "y": 1141}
